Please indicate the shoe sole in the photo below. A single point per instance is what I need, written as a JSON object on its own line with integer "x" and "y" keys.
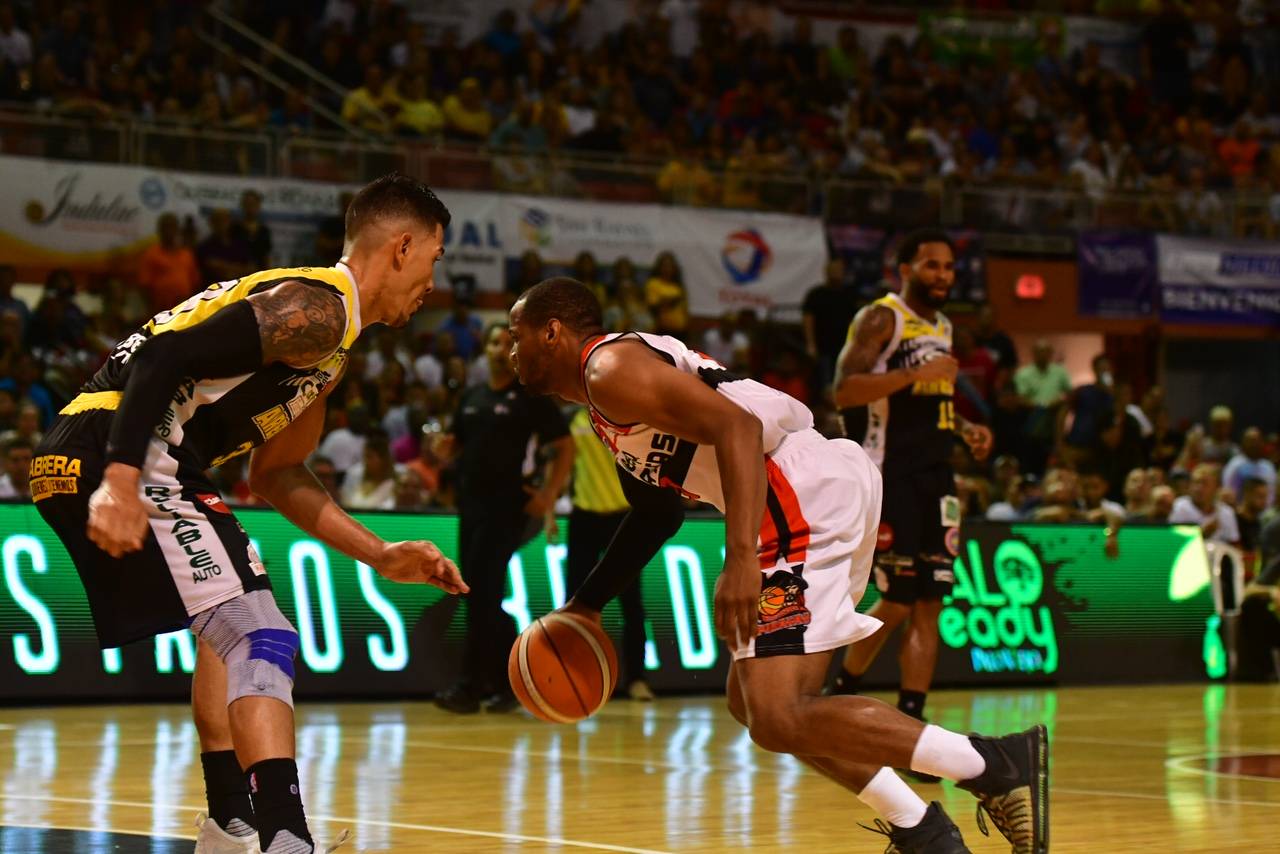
{"x": 1040, "y": 788}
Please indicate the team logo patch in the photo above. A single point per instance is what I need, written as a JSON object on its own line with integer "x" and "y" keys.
{"x": 255, "y": 561}
{"x": 213, "y": 502}
{"x": 884, "y": 538}
{"x": 951, "y": 539}
{"x": 782, "y": 601}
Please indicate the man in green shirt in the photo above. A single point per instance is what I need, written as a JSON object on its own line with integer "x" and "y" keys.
{"x": 1042, "y": 386}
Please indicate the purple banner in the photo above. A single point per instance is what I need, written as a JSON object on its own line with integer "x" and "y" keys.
{"x": 1118, "y": 274}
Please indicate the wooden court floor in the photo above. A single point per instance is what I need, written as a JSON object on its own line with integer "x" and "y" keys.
{"x": 1150, "y": 769}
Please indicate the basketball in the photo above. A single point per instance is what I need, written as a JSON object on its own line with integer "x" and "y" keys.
{"x": 562, "y": 668}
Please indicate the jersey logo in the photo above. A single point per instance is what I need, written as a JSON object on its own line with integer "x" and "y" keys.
{"x": 782, "y": 601}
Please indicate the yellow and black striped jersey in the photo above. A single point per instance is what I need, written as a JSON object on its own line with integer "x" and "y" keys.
{"x": 913, "y": 427}
{"x": 214, "y": 420}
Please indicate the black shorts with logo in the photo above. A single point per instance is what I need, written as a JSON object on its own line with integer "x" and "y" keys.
{"x": 919, "y": 535}
{"x": 195, "y": 556}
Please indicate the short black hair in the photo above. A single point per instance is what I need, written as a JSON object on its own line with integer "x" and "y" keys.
{"x": 568, "y": 300}
{"x": 395, "y": 195}
{"x": 18, "y": 443}
{"x": 910, "y": 245}
{"x": 1251, "y": 483}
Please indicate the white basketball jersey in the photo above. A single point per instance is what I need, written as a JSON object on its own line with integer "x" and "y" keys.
{"x": 663, "y": 459}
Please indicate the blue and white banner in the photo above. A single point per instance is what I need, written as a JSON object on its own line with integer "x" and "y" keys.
{"x": 1219, "y": 281}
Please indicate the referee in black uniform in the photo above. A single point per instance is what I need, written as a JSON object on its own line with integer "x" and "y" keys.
{"x": 496, "y": 429}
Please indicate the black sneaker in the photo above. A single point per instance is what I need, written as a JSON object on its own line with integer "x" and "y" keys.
{"x": 920, "y": 776}
{"x": 935, "y": 834}
{"x": 500, "y": 702}
{"x": 1014, "y": 789}
{"x": 459, "y": 699}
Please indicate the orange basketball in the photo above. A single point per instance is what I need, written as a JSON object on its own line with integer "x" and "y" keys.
{"x": 562, "y": 668}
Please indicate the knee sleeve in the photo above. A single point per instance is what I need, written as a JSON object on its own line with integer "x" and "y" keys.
{"x": 256, "y": 642}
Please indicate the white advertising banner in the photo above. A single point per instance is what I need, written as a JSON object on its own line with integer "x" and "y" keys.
{"x": 730, "y": 259}
{"x": 734, "y": 260}
{"x": 92, "y": 216}
{"x": 96, "y": 217}
{"x": 1203, "y": 280}
{"x": 473, "y": 244}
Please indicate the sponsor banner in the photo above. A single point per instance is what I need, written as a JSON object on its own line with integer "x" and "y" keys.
{"x": 730, "y": 259}
{"x": 733, "y": 260}
{"x": 1218, "y": 281}
{"x": 1117, "y": 274}
{"x": 473, "y": 244}
{"x": 1031, "y": 604}
{"x": 96, "y": 217}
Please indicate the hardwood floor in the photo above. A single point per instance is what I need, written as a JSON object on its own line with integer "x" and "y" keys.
{"x": 1134, "y": 769}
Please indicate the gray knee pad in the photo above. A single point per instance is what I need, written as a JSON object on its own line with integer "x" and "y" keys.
{"x": 256, "y": 643}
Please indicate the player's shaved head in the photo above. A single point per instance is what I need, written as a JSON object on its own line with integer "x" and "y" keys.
{"x": 392, "y": 198}
{"x": 566, "y": 300}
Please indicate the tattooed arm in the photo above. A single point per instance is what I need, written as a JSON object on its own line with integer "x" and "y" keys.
{"x": 855, "y": 385}
{"x": 298, "y": 324}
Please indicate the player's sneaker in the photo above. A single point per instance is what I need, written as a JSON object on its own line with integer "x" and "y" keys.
{"x": 214, "y": 840}
{"x": 459, "y": 699}
{"x": 935, "y": 834}
{"x": 286, "y": 843}
{"x": 921, "y": 777}
{"x": 1014, "y": 789}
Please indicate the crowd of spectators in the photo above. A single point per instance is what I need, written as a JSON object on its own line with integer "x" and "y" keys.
{"x": 716, "y": 100}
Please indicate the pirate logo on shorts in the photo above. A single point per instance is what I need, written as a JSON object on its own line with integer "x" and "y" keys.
{"x": 782, "y": 601}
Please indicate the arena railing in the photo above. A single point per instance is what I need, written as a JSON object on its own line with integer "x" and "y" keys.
{"x": 87, "y": 133}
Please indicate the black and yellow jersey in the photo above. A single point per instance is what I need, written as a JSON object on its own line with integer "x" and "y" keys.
{"x": 913, "y": 428}
{"x": 213, "y": 420}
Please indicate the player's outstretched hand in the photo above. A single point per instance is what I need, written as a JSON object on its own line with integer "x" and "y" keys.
{"x": 737, "y": 608}
{"x": 940, "y": 367}
{"x": 420, "y": 562}
{"x": 117, "y": 516}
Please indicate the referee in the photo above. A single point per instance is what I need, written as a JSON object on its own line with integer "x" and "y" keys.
{"x": 496, "y": 430}
{"x": 598, "y": 509}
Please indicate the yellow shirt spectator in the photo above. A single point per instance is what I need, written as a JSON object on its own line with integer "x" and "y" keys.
{"x": 371, "y": 105}
{"x": 666, "y": 296}
{"x": 465, "y": 112}
{"x": 685, "y": 182}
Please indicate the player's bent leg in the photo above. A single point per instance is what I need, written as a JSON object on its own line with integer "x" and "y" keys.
{"x": 229, "y": 826}
{"x": 257, "y": 644}
{"x": 913, "y": 827}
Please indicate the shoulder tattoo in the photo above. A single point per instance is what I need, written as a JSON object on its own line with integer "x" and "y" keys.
{"x": 299, "y": 324}
{"x": 871, "y": 330}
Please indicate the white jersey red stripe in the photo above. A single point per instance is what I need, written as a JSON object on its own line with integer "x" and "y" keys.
{"x": 663, "y": 459}
{"x": 822, "y": 508}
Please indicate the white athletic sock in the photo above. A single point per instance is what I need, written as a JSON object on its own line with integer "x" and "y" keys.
{"x": 893, "y": 799}
{"x": 946, "y": 754}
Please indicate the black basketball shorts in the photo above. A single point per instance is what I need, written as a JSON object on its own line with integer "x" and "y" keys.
{"x": 919, "y": 535}
{"x": 195, "y": 556}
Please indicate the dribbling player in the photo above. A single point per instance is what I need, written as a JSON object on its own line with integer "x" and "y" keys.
{"x": 244, "y": 366}
{"x": 801, "y": 514}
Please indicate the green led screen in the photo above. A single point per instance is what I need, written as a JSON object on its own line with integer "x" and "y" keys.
{"x": 1033, "y": 603}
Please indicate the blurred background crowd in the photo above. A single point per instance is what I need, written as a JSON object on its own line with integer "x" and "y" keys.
{"x": 730, "y": 110}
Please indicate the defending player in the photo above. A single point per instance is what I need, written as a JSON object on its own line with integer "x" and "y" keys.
{"x": 894, "y": 386}
{"x": 801, "y": 514}
{"x": 242, "y": 366}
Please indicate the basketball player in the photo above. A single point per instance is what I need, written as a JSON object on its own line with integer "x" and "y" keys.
{"x": 801, "y": 514}
{"x": 242, "y": 366}
{"x": 894, "y": 387}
